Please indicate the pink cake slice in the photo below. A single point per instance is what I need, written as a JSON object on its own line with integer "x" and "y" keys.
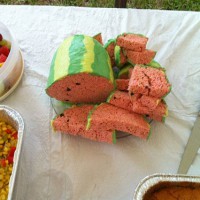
{"x": 149, "y": 81}
{"x": 110, "y": 48}
{"x": 74, "y": 120}
{"x": 122, "y": 84}
{"x": 157, "y": 114}
{"x": 143, "y": 57}
{"x": 110, "y": 117}
{"x": 98, "y": 37}
{"x": 120, "y": 99}
{"x": 148, "y": 101}
{"x": 160, "y": 113}
{"x": 132, "y": 41}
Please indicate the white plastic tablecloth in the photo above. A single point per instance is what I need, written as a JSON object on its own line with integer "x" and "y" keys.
{"x": 62, "y": 167}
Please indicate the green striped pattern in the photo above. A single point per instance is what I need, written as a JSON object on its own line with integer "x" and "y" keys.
{"x": 125, "y": 70}
{"x": 110, "y": 41}
{"x": 77, "y": 54}
{"x": 117, "y": 55}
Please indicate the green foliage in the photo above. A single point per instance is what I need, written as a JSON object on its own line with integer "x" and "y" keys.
{"x": 188, "y": 5}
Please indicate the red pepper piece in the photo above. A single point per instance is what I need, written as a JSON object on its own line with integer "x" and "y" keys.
{"x": 10, "y": 159}
{"x": 8, "y": 131}
{"x": 3, "y": 163}
{"x": 14, "y": 135}
{"x": 11, "y": 152}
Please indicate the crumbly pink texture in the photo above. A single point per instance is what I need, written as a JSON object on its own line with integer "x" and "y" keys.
{"x": 143, "y": 57}
{"x": 138, "y": 107}
{"x": 132, "y": 42}
{"x": 81, "y": 88}
{"x": 111, "y": 52}
{"x": 148, "y": 81}
{"x": 122, "y": 84}
{"x": 111, "y": 117}
{"x": 130, "y": 72}
{"x": 156, "y": 114}
{"x": 122, "y": 100}
{"x": 74, "y": 121}
{"x": 160, "y": 112}
{"x": 148, "y": 101}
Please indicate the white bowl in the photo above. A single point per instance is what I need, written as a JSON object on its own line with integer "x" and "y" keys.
{"x": 12, "y": 70}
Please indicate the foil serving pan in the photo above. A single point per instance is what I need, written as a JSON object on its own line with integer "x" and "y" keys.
{"x": 158, "y": 181}
{"x": 13, "y": 118}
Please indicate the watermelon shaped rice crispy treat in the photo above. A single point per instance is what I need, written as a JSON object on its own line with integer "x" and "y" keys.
{"x": 125, "y": 72}
{"x": 109, "y": 117}
{"x": 121, "y": 77}
{"x": 149, "y": 81}
{"x": 148, "y": 101}
{"x": 120, "y": 58}
{"x": 143, "y": 57}
{"x": 120, "y": 99}
{"x": 80, "y": 72}
{"x": 132, "y": 42}
{"x": 122, "y": 84}
{"x": 110, "y": 48}
{"x": 98, "y": 37}
{"x": 73, "y": 121}
{"x": 160, "y": 113}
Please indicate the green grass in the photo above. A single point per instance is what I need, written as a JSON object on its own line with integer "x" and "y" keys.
{"x": 188, "y": 5}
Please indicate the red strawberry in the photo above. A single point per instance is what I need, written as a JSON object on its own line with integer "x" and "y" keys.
{"x": 4, "y": 50}
{"x": 1, "y": 37}
{"x": 2, "y": 58}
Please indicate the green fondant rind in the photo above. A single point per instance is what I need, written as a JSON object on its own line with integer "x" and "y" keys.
{"x": 110, "y": 96}
{"x": 149, "y": 134}
{"x": 125, "y": 70}
{"x": 163, "y": 119}
{"x": 51, "y": 73}
{"x": 102, "y": 64}
{"x": 89, "y": 118}
{"x": 114, "y": 137}
{"x": 154, "y": 64}
{"x": 110, "y": 41}
{"x": 117, "y": 55}
{"x": 77, "y": 51}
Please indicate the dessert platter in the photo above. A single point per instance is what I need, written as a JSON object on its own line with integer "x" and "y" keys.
{"x": 106, "y": 92}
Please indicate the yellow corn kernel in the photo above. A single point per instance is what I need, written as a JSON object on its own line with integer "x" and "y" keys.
{"x": 3, "y": 197}
{"x": 1, "y": 184}
{"x": 4, "y": 128}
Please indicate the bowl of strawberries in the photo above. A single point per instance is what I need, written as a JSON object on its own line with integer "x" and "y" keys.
{"x": 11, "y": 62}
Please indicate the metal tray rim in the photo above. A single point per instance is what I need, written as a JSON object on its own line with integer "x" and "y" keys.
{"x": 153, "y": 179}
{"x": 17, "y": 117}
